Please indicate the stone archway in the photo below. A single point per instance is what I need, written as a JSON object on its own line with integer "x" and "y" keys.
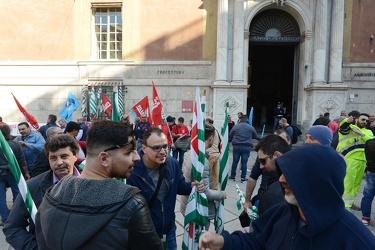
{"x": 272, "y": 73}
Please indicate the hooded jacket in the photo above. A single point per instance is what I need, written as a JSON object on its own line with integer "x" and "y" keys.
{"x": 315, "y": 174}
{"x": 94, "y": 214}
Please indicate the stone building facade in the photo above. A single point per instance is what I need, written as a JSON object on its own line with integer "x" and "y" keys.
{"x": 314, "y": 56}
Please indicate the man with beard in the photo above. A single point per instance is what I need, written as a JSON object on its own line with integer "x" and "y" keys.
{"x": 160, "y": 178}
{"x": 94, "y": 210}
{"x": 314, "y": 216}
{"x": 352, "y": 138}
{"x": 62, "y": 153}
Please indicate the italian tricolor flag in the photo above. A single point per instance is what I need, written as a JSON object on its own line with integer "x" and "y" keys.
{"x": 196, "y": 214}
{"x": 223, "y": 173}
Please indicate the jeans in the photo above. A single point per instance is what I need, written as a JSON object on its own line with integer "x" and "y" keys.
{"x": 180, "y": 154}
{"x": 276, "y": 125}
{"x": 368, "y": 194}
{"x": 171, "y": 239}
{"x": 242, "y": 152}
{"x": 5, "y": 180}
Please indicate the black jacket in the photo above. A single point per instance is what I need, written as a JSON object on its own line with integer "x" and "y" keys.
{"x": 82, "y": 213}
{"x": 15, "y": 229}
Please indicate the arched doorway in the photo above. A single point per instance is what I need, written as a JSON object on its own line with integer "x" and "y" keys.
{"x": 273, "y": 66}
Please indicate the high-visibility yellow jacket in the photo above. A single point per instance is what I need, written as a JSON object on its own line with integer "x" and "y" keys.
{"x": 352, "y": 144}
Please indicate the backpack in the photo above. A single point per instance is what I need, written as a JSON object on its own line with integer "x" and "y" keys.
{"x": 296, "y": 132}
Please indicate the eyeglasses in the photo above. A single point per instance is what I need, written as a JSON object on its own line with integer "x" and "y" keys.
{"x": 364, "y": 120}
{"x": 158, "y": 148}
{"x": 264, "y": 160}
{"x": 132, "y": 142}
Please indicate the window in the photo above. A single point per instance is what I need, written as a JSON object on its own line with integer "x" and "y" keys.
{"x": 107, "y": 24}
{"x": 107, "y": 90}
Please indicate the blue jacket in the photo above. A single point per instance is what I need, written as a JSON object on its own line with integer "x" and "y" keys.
{"x": 35, "y": 144}
{"x": 242, "y": 134}
{"x": 163, "y": 221}
{"x": 315, "y": 174}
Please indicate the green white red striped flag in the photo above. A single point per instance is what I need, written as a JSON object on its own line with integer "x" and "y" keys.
{"x": 100, "y": 99}
{"x": 16, "y": 171}
{"x": 120, "y": 102}
{"x": 252, "y": 211}
{"x": 93, "y": 112}
{"x": 196, "y": 214}
{"x": 83, "y": 101}
{"x": 116, "y": 116}
{"x": 223, "y": 172}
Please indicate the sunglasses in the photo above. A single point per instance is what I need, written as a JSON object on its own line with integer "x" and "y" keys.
{"x": 264, "y": 160}
{"x": 158, "y": 148}
{"x": 132, "y": 142}
{"x": 364, "y": 120}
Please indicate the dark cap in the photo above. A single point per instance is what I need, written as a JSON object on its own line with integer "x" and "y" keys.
{"x": 72, "y": 126}
{"x": 170, "y": 119}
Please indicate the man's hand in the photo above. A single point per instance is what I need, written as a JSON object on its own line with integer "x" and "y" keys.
{"x": 246, "y": 205}
{"x": 224, "y": 195}
{"x": 26, "y": 176}
{"x": 211, "y": 241}
{"x": 199, "y": 185}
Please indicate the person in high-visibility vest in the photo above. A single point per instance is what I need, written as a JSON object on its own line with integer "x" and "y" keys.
{"x": 352, "y": 138}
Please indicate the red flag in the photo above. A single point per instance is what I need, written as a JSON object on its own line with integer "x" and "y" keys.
{"x": 142, "y": 108}
{"x": 157, "y": 107}
{"x": 106, "y": 104}
{"x": 31, "y": 119}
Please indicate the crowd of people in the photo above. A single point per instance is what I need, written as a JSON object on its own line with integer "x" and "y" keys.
{"x": 74, "y": 174}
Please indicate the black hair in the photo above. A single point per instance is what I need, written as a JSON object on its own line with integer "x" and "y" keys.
{"x": 52, "y": 118}
{"x": 149, "y": 132}
{"x": 24, "y": 123}
{"x": 354, "y": 113}
{"x": 364, "y": 114}
{"x": 208, "y": 131}
{"x": 104, "y": 134}
{"x": 272, "y": 143}
{"x": 61, "y": 141}
{"x": 5, "y": 130}
{"x": 181, "y": 119}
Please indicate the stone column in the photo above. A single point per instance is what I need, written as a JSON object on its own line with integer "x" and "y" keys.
{"x": 320, "y": 42}
{"x": 222, "y": 42}
{"x": 337, "y": 29}
{"x": 238, "y": 42}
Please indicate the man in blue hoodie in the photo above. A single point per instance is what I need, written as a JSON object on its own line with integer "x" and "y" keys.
{"x": 314, "y": 216}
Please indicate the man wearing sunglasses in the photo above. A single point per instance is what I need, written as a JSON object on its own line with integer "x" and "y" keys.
{"x": 353, "y": 135}
{"x": 269, "y": 149}
{"x": 265, "y": 167}
{"x": 160, "y": 178}
{"x": 94, "y": 210}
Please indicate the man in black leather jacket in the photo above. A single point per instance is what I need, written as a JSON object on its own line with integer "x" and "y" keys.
{"x": 94, "y": 210}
